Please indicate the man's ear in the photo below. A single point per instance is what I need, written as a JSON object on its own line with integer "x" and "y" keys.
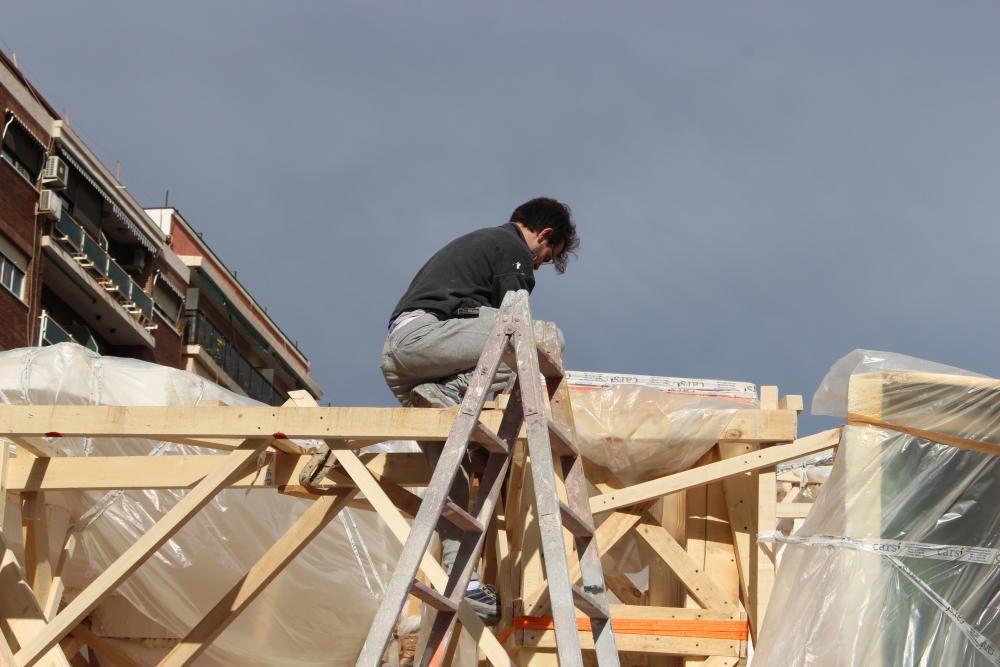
{"x": 545, "y": 234}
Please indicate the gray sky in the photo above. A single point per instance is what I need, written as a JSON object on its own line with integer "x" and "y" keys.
{"x": 759, "y": 189}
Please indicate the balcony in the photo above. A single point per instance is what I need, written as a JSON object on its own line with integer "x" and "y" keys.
{"x": 201, "y": 332}
{"x": 97, "y": 287}
{"x": 51, "y": 333}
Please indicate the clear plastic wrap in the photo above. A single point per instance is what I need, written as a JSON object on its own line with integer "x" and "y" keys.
{"x": 316, "y": 612}
{"x": 898, "y": 563}
{"x": 640, "y": 427}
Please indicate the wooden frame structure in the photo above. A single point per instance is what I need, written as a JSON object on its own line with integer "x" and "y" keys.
{"x": 710, "y": 551}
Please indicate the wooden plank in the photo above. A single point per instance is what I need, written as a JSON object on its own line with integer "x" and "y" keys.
{"x": 362, "y": 425}
{"x": 105, "y": 647}
{"x": 34, "y": 446}
{"x": 886, "y": 398}
{"x": 696, "y": 541}
{"x": 359, "y": 424}
{"x": 665, "y": 587}
{"x": 4, "y": 465}
{"x": 37, "y": 564}
{"x": 6, "y": 653}
{"x": 246, "y": 590}
{"x": 21, "y": 616}
{"x": 761, "y": 556}
{"x": 693, "y": 646}
{"x": 230, "y": 467}
{"x": 692, "y": 574}
{"x": 762, "y": 566}
{"x": 712, "y": 472}
{"x": 738, "y": 491}
{"x": 104, "y": 473}
{"x": 51, "y": 605}
{"x": 792, "y": 510}
{"x": 636, "y": 612}
{"x": 720, "y": 555}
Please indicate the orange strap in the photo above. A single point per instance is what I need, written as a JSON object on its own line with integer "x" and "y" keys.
{"x": 983, "y": 446}
{"x": 642, "y": 626}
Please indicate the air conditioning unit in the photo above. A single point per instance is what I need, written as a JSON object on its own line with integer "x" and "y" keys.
{"x": 49, "y": 204}
{"x": 56, "y": 173}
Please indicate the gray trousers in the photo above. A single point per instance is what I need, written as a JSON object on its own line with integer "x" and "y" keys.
{"x": 426, "y": 349}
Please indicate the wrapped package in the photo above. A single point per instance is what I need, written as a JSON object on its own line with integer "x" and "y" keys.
{"x": 316, "y": 612}
{"x": 898, "y": 562}
{"x": 639, "y": 427}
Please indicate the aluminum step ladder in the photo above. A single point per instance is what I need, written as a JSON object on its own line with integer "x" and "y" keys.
{"x": 512, "y": 340}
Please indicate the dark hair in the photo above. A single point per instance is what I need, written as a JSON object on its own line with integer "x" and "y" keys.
{"x": 543, "y": 212}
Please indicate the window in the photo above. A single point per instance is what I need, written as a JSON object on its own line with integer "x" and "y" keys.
{"x": 12, "y": 277}
{"x": 13, "y": 266}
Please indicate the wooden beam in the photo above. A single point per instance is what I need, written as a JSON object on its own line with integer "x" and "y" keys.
{"x": 792, "y": 510}
{"x": 4, "y": 464}
{"x": 738, "y": 491}
{"x": 20, "y": 614}
{"x": 712, "y": 472}
{"x": 37, "y": 565}
{"x": 106, "y": 648}
{"x": 232, "y": 466}
{"x": 103, "y": 473}
{"x": 6, "y": 654}
{"x": 256, "y": 580}
{"x": 51, "y": 605}
{"x": 34, "y": 446}
{"x": 699, "y": 585}
{"x": 362, "y": 425}
{"x": 657, "y": 645}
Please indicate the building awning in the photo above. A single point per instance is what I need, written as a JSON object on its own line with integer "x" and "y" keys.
{"x": 127, "y": 220}
{"x": 8, "y": 114}
{"x": 161, "y": 279}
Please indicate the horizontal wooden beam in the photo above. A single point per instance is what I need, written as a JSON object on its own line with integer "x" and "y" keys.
{"x": 362, "y": 425}
{"x": 104, "y": 473}
{"x": 712, "y": 472}
{"x": 658, "y": 645}
{"x": 792, "y": 510}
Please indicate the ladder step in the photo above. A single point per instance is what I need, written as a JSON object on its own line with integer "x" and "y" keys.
{"x": 589, "y": 604}
{"x": 427, "y": 594}
{"x": 575, "y": 523}
{"x": 489, "y": 440}
{"x": 548, "y": 365}
{"x": 459, "y": 518}
{"x": 562, "y": 444}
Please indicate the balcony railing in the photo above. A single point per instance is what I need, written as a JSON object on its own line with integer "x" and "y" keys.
{"x": 93, "y": 258}
{"x": 199, "y": 330}
{"x": 51, "y": 333}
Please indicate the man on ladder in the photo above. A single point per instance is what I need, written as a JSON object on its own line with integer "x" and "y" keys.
{"x": 438, "y": 329}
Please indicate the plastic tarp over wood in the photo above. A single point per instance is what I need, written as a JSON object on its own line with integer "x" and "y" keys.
{"x": 639, "y": 427}
{"x": 315, "y": 613}
{"x": 898, "y": 563}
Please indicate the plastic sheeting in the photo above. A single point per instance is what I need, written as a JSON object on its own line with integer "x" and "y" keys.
{"x": 317, "y": 612}
{"x": 898, "y": 563}
{"x": 641, "y": 427}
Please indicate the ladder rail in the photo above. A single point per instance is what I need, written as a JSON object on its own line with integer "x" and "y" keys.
{"x": 549, "y": 516}
{"x": 435, "y": 497}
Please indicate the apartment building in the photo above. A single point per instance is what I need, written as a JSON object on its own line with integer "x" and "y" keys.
{"x": 81, "y": 260}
